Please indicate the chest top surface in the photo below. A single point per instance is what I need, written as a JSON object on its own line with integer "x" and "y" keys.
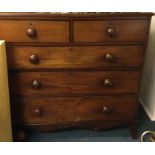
{"x": 50, "y": 15}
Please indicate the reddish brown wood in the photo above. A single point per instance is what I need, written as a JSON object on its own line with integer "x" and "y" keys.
{"x": 111, "y": 31}
{"x": 96, "y": 31}
{"x": 19, "y": 135}
{"x": 31, "y": 32}
{"x": 133, "y": 129}
{"x": 33, "y": 59}
{"x": 45, "y": 31}
{"x": 74, "y": 57}
{"x": 74, "y": 82}
{"x": 80, "y": 15}
{"x": 78, "y": 70}
{"x": 96, "y": 126}
{"x": 74, "y": 109}
{"x": 36, "y": 84}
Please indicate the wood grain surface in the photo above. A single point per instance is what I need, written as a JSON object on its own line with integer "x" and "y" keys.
{"x": 75, "y": 57}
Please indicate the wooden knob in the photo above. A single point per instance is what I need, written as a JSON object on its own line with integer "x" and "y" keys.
{"x": 110, "y": 58}
{"x": 37, "y": 112}
{"x": 36, "y": 84}
{"x": 106, "y": 110}
{"x": 31, "y": 32}
{"x": 108, "y": 83}
{"x": 111, "y": 31}
{"x": 34, "y": 59}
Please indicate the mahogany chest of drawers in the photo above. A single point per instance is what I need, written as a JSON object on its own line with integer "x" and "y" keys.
{"x": 75, "y": 70}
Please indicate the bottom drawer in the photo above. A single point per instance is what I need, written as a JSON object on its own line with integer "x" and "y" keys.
{"x": 74, "y": 109}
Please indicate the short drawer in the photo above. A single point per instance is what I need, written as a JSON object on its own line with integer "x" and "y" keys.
{"x": 110, "y": 30}
{"x": 75, "y": 57}
{"x": 74, "y": 82}
{"x": 74, "y": 109}
{"x": 34, "y": 31}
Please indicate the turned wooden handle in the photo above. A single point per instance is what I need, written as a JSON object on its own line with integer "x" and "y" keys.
{"x": 111, "y": 31}
{"x": 110, "y": 58}
{"x": 106, "y": 110}
{"x": 108, "y": 83}
{"x": 37, "y": 112}
{"x": 36, "y": 84}
{"x": 34, "y": 59}
{"x": 31, "y": 32}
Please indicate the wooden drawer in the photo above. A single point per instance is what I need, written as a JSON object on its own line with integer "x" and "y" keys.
{"x": 74, "y": 82}
{"x": 34, "y": 31}
{"x": 110, "y": 30}
{"x": 74, "y": 109}
{"x": 74, "y": 57}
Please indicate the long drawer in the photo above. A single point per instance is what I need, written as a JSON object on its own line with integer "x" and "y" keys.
{"x": 74, "y": 109}
{"x": 74, "y": 82}
{"x": 75, "y": 57}
{"x": 110, "y": 30}
{"x": 34, "y": 31}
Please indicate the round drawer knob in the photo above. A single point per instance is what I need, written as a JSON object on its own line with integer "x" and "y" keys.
{"x": 34, "y": 59}
{"x": 108, "y": 83}
{"x": 37, "y": 112}
{"x": 109, "y": 58}
{"x": 36, "y": 84}
{"x": 111, "y": 31}
{"x": 31, "y": 32}
{"x": 106, "y": 110}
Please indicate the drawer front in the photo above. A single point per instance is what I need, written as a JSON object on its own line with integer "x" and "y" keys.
{"x": 110, "y": 30}
{"x": 34, "y": 31}
{"x": 74, "y": 82}
{"x": 75, "y": 57}
{"x": 74, "y": 109}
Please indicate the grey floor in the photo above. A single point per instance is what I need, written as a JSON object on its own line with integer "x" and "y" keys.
{"x": 115, "y": 135}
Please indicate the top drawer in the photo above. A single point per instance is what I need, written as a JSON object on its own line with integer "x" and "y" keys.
{"x": 34, "y": 31}
{"x": 110, "y": 30}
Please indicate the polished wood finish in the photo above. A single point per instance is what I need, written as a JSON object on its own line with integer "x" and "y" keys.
{"x": 75, "y": 70}
{"x": 74, "y": 109}
{"x": 113, "y": 30}
{"x": 34, "y": 31}
{"x": 132, "y": 128}
{"x": 108, "y": 83}
{"x": 74, "y": 82}
{"x": 37, "y": 112}
{"x": 31, "y": 32}
{"x": 35, "y": 84}
{"x": 19, "y": 135}
{"x": 75, "y": 57}
{"x": 110, "y": 58}
{"x": 33, "y": 59}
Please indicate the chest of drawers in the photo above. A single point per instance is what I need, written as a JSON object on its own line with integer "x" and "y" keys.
{"x": 75, "y": 70}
